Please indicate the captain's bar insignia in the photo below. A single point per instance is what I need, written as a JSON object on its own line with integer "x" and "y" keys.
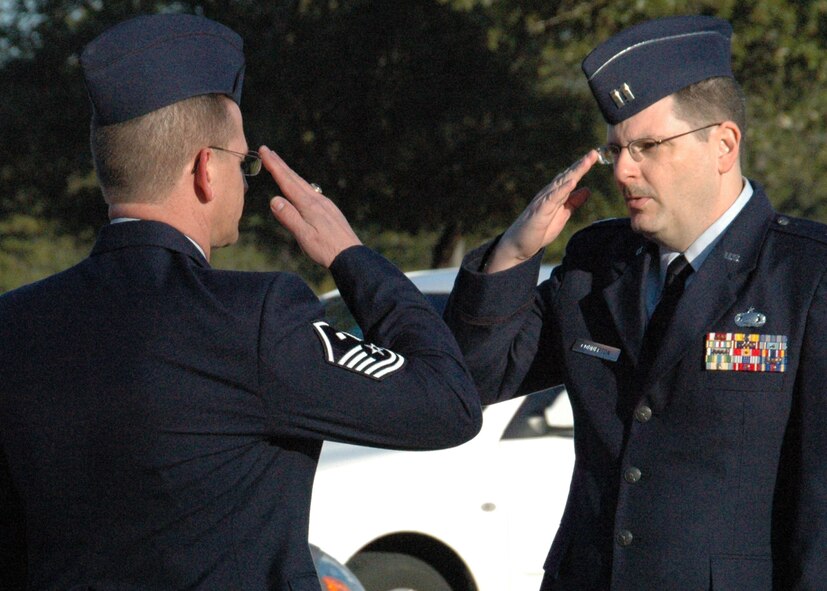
{"x": 622, "y": 95}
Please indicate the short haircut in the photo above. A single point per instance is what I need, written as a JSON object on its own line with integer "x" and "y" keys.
{"x": 712, "y": 100}
{"x": 140, "y": 160}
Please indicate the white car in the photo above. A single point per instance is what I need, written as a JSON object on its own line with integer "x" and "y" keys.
{"x": 478, "y": 517}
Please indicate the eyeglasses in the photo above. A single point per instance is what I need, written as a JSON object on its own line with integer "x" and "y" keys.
{"x": 610, "y": 153}
{"x": 250, "y": 162}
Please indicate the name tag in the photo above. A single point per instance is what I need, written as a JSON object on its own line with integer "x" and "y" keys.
{"x": 596, "y": 350}
{"x": 736, "y": 351}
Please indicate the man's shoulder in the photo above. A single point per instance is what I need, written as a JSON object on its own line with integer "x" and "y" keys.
{"x": 46, "y": 287}
{"x": 246, "y": 284}
{"x": 799, "y": 228}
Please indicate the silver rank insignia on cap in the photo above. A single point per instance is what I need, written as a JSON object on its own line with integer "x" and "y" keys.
{"x": 622, "y": 95}
{"x": 349, "y": 352}
{"x": 736, "y": 351}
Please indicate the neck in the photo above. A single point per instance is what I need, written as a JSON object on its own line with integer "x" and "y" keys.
{"x": 165, "y": 212}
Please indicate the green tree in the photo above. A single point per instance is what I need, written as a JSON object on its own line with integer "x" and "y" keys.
{"x": 398, "y": 108}
{"x": 402, "y": 112}
{"x": 779, "y": 56}
{"x": 431, "y": 120}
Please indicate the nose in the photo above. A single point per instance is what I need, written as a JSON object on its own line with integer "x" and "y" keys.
{"x": 625, "y": 167}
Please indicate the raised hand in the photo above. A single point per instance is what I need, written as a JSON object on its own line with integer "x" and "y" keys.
{"x": 319, "y": 227}
{"x": 544, "y": 218}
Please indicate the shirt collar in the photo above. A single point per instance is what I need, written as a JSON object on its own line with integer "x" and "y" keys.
{"x": 699, "y": 250}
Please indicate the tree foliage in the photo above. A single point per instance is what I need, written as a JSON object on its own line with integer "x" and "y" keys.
{"x": 432, "y": 119}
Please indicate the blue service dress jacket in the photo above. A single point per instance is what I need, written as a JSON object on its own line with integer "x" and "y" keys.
{"x": 707, "y": 472}
{"x": 161, "y": 420}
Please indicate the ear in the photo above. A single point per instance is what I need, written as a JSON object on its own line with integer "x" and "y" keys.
{"x": 729, "y": 145}
{"x": 202, "y": 176}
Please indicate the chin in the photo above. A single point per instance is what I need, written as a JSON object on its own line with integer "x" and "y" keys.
{"x": 646, "y": 232}
{"x": 638, "y": 225}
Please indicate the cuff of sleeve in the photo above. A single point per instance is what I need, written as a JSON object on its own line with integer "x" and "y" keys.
{"x": 491, "y": 297}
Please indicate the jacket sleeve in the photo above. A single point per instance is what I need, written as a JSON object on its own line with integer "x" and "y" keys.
{"x": 12, "y": 533}
{"x": 404, "y": 387}
{"x": 501, "y": 326}
{"x": 800, "y": 520}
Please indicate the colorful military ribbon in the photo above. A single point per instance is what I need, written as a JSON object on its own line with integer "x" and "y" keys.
{"x": 734, "y": 351}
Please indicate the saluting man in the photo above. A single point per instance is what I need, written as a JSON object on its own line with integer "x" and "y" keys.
{"x": 160, "y": 420}
{"x": 689, "y": 335}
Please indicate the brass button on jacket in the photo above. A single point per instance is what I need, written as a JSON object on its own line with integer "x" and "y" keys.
{"x": 625, "y": 538}
{"x": 643, "y": 413}
{"x": 632, "y": 475}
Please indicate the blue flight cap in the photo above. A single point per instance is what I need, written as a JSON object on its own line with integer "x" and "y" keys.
{"x": 647, "y": 62}
{"x": 150, "y": 62}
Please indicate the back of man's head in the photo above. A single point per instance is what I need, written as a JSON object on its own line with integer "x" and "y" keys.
{"x": 157, "y": 85}
{"x": 142, "y": 159}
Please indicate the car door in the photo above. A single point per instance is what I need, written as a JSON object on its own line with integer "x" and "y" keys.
{"x": 535, "y": 460}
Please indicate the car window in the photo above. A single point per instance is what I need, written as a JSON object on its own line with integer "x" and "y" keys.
{"x": 532, "y": 417}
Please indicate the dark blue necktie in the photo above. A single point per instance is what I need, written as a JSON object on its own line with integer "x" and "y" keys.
{"x": 676, "y": 275}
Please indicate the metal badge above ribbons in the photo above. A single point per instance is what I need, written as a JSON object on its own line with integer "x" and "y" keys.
{"x": 750, "y": 319}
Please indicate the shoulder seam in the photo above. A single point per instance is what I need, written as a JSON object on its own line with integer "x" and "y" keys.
{"x": 801, "y": 227}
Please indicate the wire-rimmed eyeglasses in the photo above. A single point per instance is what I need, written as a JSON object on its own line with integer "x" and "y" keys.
{"x": 250, "y": 161}
{"x": 645, "y": 146}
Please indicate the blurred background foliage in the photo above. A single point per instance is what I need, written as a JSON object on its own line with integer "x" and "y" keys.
{"x": 430, "y": 122}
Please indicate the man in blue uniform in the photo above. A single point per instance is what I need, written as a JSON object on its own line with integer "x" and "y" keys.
{"x": 160, "y": 421}
{"x": 689, "y": 336}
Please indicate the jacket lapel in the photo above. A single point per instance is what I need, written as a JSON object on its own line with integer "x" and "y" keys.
{"x": 714, "y": 288}
{"x": 626, "y": 298}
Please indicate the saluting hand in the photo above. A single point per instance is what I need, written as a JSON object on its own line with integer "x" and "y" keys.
{"x": 319, "y": 227}
{"x": 544, "y": 218}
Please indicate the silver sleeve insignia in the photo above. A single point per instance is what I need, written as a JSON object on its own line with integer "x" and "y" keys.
{"x": 349, "y": 352}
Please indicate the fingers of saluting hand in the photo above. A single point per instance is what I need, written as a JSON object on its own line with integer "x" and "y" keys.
{"x": 545, "y": 217}
{"x": 314, "y": 220}
{"x": 560, "y": 194}
{"x": 294, "y": 187}
{"x": 284, "y": 209}
{"x": 564, "y": 183}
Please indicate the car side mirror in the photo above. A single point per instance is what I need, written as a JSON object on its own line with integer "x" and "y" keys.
{"x": 543, "y": 413}
{"x": 558, "y": 416}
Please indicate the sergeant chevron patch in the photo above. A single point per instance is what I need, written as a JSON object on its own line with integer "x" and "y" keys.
{"x": 349, "y": 352}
